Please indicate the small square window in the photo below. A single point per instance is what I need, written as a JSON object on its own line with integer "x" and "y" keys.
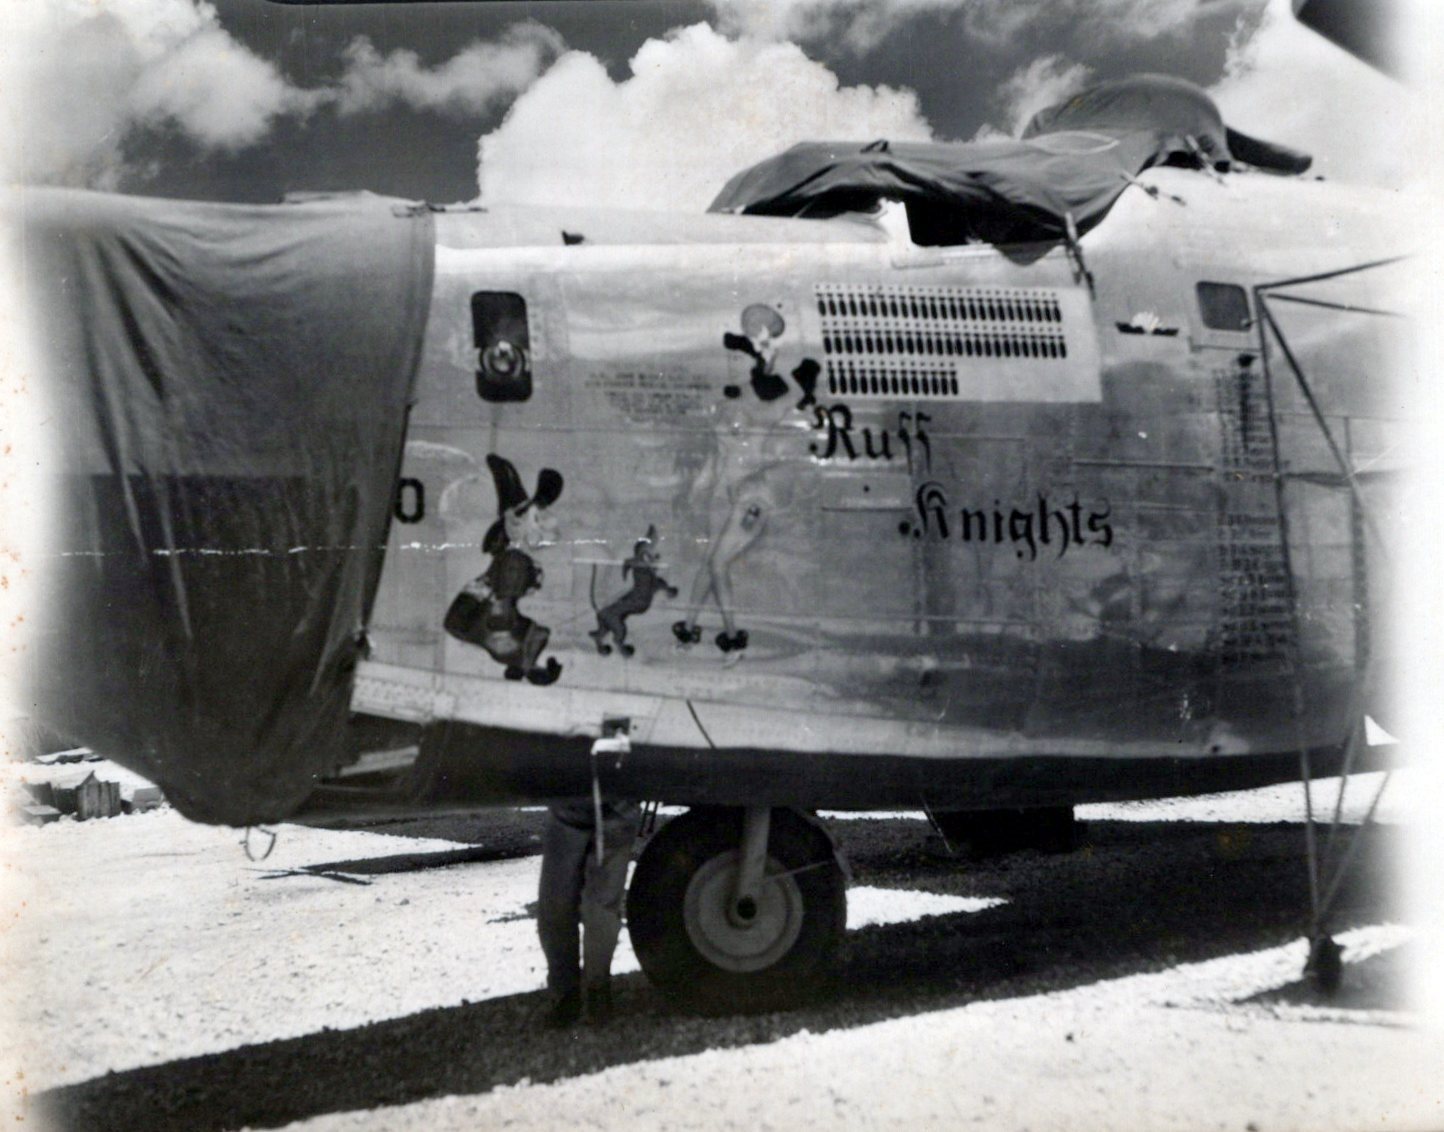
{"x": 1224, "y": 306}
{"x": 503, "y": 346}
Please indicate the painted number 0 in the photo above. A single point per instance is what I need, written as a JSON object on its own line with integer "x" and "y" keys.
{"x": 410, "y": 501}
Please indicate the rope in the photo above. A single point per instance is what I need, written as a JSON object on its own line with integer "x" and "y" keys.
{"x": 1291, "y": 592}
{"x": 1338, "y": 878}
{"x": 1300, "y": 280}
{"x": 697, "y": 720}
{"x": 1311, "y": 848}
{"x": 1075, "y": 251}
{"x": 1347, "y": 307}
{"x": 1152, "y": 190}
{"x": 933, "y": 821}
{"x": 1351, "y": 747}
{"x": 1321, "y": 898}
{"x": 246, "y": 842}
{"x": 1339, "y": 457}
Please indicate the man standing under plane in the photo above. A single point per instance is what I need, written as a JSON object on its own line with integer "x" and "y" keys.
{"x": 586, "y": 848}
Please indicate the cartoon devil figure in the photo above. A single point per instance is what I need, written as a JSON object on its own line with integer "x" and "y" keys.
{"x": 486, "y": 612}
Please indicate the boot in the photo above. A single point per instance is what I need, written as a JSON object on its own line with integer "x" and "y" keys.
{"x": 599, "y": 1005}
{"x": 565, "y": 1010}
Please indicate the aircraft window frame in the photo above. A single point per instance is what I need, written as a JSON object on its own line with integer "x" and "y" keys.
{"x": 501, "y": 334}
{"x": 1223, "y": 307}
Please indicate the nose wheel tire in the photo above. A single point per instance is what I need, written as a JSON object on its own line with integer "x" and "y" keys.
{"x": 710, "y": 951}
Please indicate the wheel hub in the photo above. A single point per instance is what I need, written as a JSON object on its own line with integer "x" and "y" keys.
{"x": 750, "y": 934}
{"x": 744, "y": 912}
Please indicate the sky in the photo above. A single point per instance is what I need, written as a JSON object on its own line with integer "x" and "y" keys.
{"x": 634, "y": 103}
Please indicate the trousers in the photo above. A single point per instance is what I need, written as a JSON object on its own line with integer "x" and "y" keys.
{"x": 577, "y": 891}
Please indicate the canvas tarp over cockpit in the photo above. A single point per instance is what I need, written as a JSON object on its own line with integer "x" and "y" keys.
{"x": 1071, "y": 163}
{"x": 230, "y": 385}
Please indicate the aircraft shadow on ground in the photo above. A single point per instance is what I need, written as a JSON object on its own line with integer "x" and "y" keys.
{"x": 1138, "y": 897}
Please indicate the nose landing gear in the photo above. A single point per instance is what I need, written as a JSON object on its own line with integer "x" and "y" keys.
{"x": 727, "y": 915}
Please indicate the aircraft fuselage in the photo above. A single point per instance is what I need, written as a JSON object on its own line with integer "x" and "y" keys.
{"x": 835, "y": 520}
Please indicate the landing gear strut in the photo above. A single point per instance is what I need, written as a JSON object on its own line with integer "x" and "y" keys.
{"x": 735, "y": 911}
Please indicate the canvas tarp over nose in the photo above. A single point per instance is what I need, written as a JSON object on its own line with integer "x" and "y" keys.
{"x": 231, "y": 386}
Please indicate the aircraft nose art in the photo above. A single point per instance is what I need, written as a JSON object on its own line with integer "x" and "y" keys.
{"x": 231, "y": 413}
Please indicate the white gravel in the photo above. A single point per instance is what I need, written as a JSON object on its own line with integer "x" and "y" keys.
{"x": 1282, "y": 803}
{"x": 142, "y": 939}
{"x": 1151, "y": 1053}
{"x": 146, "y": 938}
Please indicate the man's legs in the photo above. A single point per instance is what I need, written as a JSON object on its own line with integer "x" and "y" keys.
{"x": 566, "y": 840}
{"x": 602, "y": 892}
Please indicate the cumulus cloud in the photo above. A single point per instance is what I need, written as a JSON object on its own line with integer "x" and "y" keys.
{"x": 861, "y": 24}
{"x": 1281, "y": 81}
{"x": 1042, "y": 83}
{"x": 857, "y": 24}
{"x": 1284, "y": 83}
{"x": 83, "y": 75}
{"x": 697, "y": 107}
{"x": 214, "y": 90}
{"x": 470, "y": 82}
{"x": 1090, "y": 23}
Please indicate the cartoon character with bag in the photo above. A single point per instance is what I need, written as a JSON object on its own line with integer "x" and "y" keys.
{"x": 485, "y": 613}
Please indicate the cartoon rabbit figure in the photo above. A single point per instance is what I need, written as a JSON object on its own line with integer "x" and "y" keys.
{"x": 646, "y": 582}
{"x": 486, "y": 612}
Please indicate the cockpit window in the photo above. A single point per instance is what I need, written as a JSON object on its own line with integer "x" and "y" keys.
{"x": 503, "y": 346}
{"x": 1224, "y": 306}
{"x": 944, "y": 224}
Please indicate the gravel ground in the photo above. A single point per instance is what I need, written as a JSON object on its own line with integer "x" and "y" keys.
{"x": 390, "y": 977}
